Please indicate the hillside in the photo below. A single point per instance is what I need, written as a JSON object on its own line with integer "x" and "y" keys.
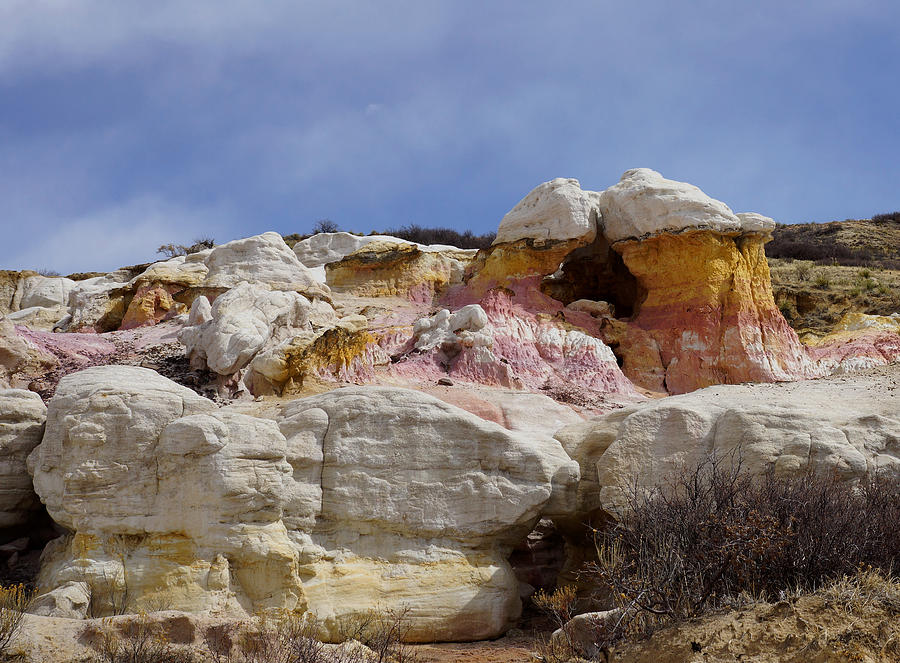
{"x": 869, "y": 243}
{"x": 822, "y": 271}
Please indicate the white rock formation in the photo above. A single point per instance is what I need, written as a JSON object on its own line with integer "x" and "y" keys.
{"x": 325, "y": 248}
{"x": 100, "y": 303}
{"x": 357, "y": 498}
{"x": 555, "y": 210}
{"x": 751, "y": 222}
{"x": 420, "y": 504}
{"x": 452, "y": 331}
{"x": 263, "y": 259}
{"x": 44, "y": 291}
{"x": 166, "y": 495}
{"x": 224, "y": 337}
{"x": 22, "y": 416}
{"x": 829, "y": 426}
{"x": 94, "y": 299}
{"x": 644, "y": 203}
{"x": 19, "y": 359}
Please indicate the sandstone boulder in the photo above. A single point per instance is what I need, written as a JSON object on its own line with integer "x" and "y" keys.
{"x": 424, "y": 502}
{"x": 340, "y": 503}
{"x": 98, "y": 303}
{"x": 263, "y": 259}
{"x": 224, "y": 337}
{"x": 827, "y": 426}
{"x": 388, "y": 266}
{"x": 557, "y": 210}
{"x": 705, "y": 291}
{"x": 22, "y": 416}
{"x": 171, "y": 503}
{"x": 644, "y": 203}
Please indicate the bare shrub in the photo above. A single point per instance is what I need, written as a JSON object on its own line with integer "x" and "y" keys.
{"x": 136, "y": 641}
{"x": 713, "y": 534}
{"x": 462, "y": 240}
{"x": 293, "y": 638}
{"x": 560, "y": 607}
{"x": 174, "y": 250}
{"x": 822, "y": 280}
{"x": 325, "y": 226}
{"x": 802, "y": 270}
{"x": 14, "y": 603}
{"x": 383, "y": 631}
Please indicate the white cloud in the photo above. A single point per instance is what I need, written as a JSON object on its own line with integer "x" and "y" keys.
{"x": 114, "y": 236}
{"x": 63, "y": 35}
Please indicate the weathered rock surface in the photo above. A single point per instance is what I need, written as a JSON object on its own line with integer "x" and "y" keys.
{"x": 345, "y": 352}
{"x": 499, "y": 343}
{"x": 552, "y": 221}
{"x": 225, "y": 336}
{"x": 705, "y": 290}
{"x": 644, "y": 203}
{"x": 709, "y": 307}
{"x": 264, "y": 259}
{"x": 352, "y": 499}
{"x": 22, "y": 416}
{"x": 167, "y": 288}
{"x": 171, "y": 502}
{"x": 389, "y": 266}
{"x": 98, "y": 303}
{"x": 31, "y": 299}
{"x": 846, "y": 426}
{"x": 20, "y": 361}
{"x": 454, "y": 494}
{"x": 557, "y": 210}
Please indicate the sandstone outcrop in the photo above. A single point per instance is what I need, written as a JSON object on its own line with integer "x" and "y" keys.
{"x": 553, "y": 220}
{"x": 820, "y": 425}
{"x": 20, "y": 361}
{"x": 145, "y": 295}
{"x": 345, "y": 351}
{"x": 170, "y": 502}
{"x": 440, "y": 264}
{"x": 264, "y": 259}
{"x": 454, "y": 494}
{"x": 557, "y": 210}
{"x": 389, "y": 266}
{"x": 644, "y": 203}
{"x": 706, "y": 292}
{"x": 22, "y": 416}
{"x": 226, "y": 335}
{"x": 499, "y": 343}
{"x": 356, "y": 498}
{"x": 31, "y": 299}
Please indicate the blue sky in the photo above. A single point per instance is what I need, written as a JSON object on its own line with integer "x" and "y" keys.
{"x": 125, "y": 125}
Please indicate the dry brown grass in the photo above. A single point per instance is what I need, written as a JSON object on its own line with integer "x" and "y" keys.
{"x": 14, "y": 602}
{"x": 813, "y": 298}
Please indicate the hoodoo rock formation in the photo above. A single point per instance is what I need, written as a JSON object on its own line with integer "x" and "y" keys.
{"x": 707, "y": 296}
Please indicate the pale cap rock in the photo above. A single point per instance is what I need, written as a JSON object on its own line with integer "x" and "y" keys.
{"x": 555, "y": 210}
{"x": 644, "y": 203}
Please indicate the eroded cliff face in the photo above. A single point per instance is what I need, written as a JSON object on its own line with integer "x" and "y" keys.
{"x": 413, "y": 487}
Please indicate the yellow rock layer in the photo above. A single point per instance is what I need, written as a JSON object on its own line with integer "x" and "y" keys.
{"x": 381, "y": 269}
{"x": 709, "y": 306}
